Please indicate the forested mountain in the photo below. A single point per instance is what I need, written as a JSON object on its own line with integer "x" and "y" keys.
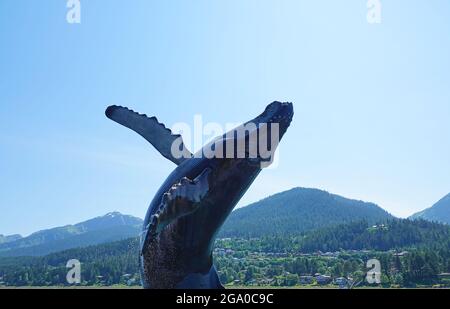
{"x": 393, "y": 234}
{"x": 273, "y": 260}
{"x": 439, "y": 212}
{"x": 292, "y": 212}
{"x": 111, "y": 227}
{"x": 299, "y": 210}
{"x": 105, "y": 263}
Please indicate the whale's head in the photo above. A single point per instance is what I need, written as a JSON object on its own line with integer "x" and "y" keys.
{"x": 266, "y": 131}
{"x": 254, "y": 142}
{"x": 277, "y": 113}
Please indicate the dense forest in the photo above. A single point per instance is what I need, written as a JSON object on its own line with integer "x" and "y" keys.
{"x": 106, "y": 264}
{"x": 394, "y": 234}
{"x": 411, "y": 253}
{"x": 412, "y": 268}
{"x": 382, "y": 237}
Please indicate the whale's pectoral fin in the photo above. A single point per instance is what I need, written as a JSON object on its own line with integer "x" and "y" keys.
{"x": 182, "y": 199}
{"x": 169, "y": 145}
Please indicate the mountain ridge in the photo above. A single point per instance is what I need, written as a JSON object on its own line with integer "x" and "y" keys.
{"x": 439, "y": 212}
{"x": 9, "y": 238}
{"x": 299, "y": 210}
{"x": 293, "y": 211}
{"x": 110, "y": 227}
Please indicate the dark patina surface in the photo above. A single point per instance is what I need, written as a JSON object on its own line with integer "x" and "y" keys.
{"x": 188, "y": 210}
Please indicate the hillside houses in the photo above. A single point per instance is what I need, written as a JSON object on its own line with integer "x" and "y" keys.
{"x": 323, "y": 279}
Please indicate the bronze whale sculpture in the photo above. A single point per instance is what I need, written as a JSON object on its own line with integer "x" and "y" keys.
{"x": 188, "y": 210}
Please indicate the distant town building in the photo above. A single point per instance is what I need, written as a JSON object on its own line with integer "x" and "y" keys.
{"x": 400, "y": 254}
{"x": 323, "y": 279}
{"x": 131, "y": 282}
{"x": 344, "y": 283}
{"x": 306, "y": 279}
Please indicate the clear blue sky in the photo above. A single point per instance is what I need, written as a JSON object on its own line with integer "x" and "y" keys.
{"x": 372, "y": 102}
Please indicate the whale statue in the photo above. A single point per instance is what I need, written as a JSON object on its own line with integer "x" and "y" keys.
{"x": 189, "y": 208}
